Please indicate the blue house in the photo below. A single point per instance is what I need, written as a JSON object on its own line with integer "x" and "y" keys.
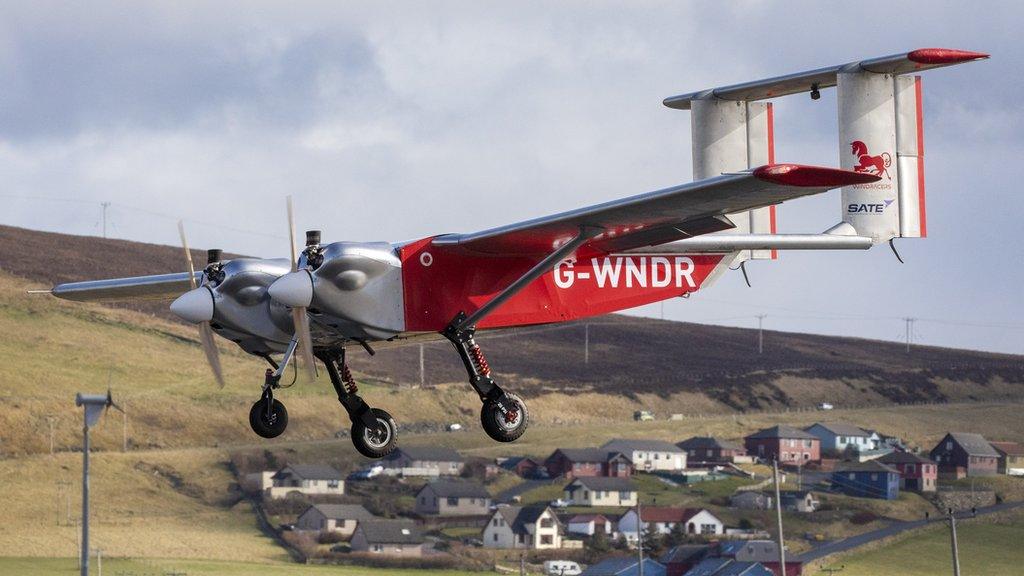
{"x": 624, "y": 567}
{"x": 837, "y": 437}
{"x": 869, "y": 479}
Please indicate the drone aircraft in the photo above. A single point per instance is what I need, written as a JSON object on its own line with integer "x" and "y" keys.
{"x": 330, "y": 299}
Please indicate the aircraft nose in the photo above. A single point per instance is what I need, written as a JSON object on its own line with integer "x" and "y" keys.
{"x": 194, "y": 306}
{"x": 294, "y": 289}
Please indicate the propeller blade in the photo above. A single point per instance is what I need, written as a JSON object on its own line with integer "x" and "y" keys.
{"x": 305, "y": 348}
{"x": 188, "y": 255}
{"x": 212, "y": 354}
{"x": 291, "y": 235}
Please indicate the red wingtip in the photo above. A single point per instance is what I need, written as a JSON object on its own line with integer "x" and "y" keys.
{"x": 812, "y": 176}
{"x": 939, "y": 56}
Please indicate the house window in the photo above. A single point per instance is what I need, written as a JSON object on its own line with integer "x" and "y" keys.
{"x": 586, "y": 495}
{"x": 708, "y": 529}
{"x": 378, "y": 548}
{"x": 807, "y": 443}
{"x": 332, "y": 483}
{"x": 852, "y": 476}
{"x": 949, "y": 445}
{"x": 495, "y": 536}
{"x": 874, "y": 477}
{"x": 453, "y": 501}
{"x": 546, "y": 540}
{"x": 546, "y": 523}
{"x": 625, "y": 495}
{"x": 423, "y": 500}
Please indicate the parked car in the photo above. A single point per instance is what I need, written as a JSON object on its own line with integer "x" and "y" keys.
{"x": 454, "y": 427}
{"x": 367, "y": 473}
{"x": 561, "y": 503}
{"x": 643, "y": 415}
{"x": 562, "y": 568}
{"x": 825, "y": 406}
{"x": 474, "y": 542}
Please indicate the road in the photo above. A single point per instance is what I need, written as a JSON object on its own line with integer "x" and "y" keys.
{"x": 836, "y": 546}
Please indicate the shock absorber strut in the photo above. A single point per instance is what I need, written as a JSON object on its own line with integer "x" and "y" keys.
{"x": 477, "y": 368}
{"x": 477, "y": 356}
{"x": 349, "y": 381}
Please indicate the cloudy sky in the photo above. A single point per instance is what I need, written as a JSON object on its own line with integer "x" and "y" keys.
{"x": 390, "y": 121}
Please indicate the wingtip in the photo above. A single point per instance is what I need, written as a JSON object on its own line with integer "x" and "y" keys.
{"x": 942, "y": 56}
{"x": 812, "y": 176}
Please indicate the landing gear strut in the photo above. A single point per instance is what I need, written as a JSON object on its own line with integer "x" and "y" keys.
{"x": 503, "y": 415}
{"x": 373, "y": 430}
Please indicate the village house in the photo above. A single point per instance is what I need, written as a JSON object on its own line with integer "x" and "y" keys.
{"x": 961, "y": 454}
{"x": 662, "y": 520}
{"x": 522, "y": 466}
{"x": 589, "y": 524}
{"x": 706, "y": 450}
{"x": 870, "y": 479}
{"x": 751, "y": 500}
{"x": 763, "y": 552}
{"x": 308, "y": 479}
{"x": 529, "y": 527}
{"x": 680, "y": 559}
{"x": 786, "y": 444}
{"x": 722, "y": 566}
{"x": 340, "y": 519}
{"x": 1011, "y": 458}
{"x": 388, "y": 538}
{"x": 798, "y": 501}
{"x": 649, "y": 455}
{"x": 601, "y": 491}
{"x": 629, "y": 566}
{"x": 453, "y": 498}
{"x": 917, "y": 474}
{"x": 838, "y": 437}
{"x": 582, "y": 462}
{"x": 423, "y": 461}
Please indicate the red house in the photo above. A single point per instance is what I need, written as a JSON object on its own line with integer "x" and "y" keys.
{"x": 786, "y": 444}
{"x": 588, "y": 462}
{"x": 524, "y": 467}
{"x": 916, "y": 473}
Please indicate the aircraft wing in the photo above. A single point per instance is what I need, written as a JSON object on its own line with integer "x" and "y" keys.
{"x": 659, "y": 217}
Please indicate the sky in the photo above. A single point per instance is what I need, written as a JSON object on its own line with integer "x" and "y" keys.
{"x": 392, "y": 121}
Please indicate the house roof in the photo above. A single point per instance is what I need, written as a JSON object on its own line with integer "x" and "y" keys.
{"x": 391, "y": 532}
{"x": 667, "y": 514}
{"x": 1008, "y": 448}
{"x": 310, "y": 472}
{"x": 456, "y": 489}
{"x": 782, "y": 432}
{"x": 626, "y": 445}
{"x": 611, "y": 484}
{"x": 728, "y": 567}
{"x": 587, "y": 454}
{"x": 686, "y": 553}
{"x": 973, "y": 444}
{"x": 343, "y": 511}
{"x": 587, "y": 518}
{"x": 904, "y": 458}
{"x": 519, "y": 516}
{"x": 510, "y": 463}
{"x": 698, "y": 442}
{"x": 869, "y": 466}
{"x": 428, "y": 453}
{"x": 841, "y": 429}
{"x": 617, "y": 566}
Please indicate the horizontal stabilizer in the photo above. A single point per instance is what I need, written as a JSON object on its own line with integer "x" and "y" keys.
{"x": 896, "y": 64}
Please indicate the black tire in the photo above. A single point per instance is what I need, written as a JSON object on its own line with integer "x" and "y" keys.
{"x": 498, "y": 426}
{"x": 371, "y": 445}
{"x": 272, "y": 427}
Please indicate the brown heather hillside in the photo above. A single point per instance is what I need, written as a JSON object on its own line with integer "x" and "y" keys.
{"x": 711, "y": 367}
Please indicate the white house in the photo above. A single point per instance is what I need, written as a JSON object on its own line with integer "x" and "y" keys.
{"x": 531, "y": 527}
{"x": 309, "y": 479}
{"x": 423, "y": 461}
{"x": 649, "y": 455}
{"x": 601, "y": 491}
{"x": 837, "y": 437}
{"x": 658, "y": 520}
{"x": 589, "y": 524}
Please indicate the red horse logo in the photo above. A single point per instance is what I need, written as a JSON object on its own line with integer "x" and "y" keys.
{"x": 871, "y": 164}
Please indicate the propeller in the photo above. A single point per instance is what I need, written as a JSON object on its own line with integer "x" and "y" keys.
{"x": 298, "y": 281}
{"x": 196, "y": 305}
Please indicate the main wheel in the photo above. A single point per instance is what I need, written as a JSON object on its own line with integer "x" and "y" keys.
{"x": 375, "y": 443}
{"x": 505, "y": 427}
{"x": 268, "y": 426}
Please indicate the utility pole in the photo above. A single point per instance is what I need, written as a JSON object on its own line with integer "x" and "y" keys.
{"x": 423, "y": 376}
{"x": 952, "y": 536}
{"x": 99, "y": 562}
{"x": 51, "y": 420}
{"x": 778, "y": 516}
{"x": 63, "y": 495}
{"x": 909, "y": 331}
{"x": 522, "y": 564}
{"x": 124, "y": 427}
{"x": 586, "y": 343}
{"x": 105, "y": 205}
{"x": 760, "y": 333}
{"x": 639, "y": 538}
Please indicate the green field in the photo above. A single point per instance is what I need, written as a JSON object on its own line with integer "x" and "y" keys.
{"x": 989, "y": 548}
{"x": 159, "y": 567}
